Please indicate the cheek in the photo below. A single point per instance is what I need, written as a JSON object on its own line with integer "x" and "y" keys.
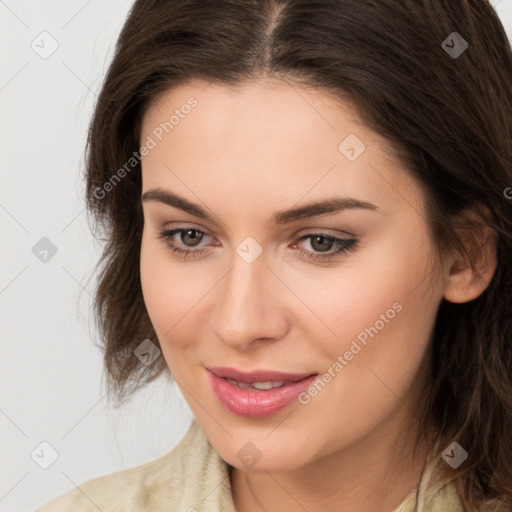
{"x": 173, "y": 294}
{"x": 380, "y": 310}
{"x": 384, "y": 283}
{"x": 152, "y": 287}
{"x": 374, "y": 363}
{"x": 159, "y": 287}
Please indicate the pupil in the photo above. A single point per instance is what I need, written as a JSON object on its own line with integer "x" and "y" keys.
{"x": 321, "y": 238}
{"x": 187, "y": 233}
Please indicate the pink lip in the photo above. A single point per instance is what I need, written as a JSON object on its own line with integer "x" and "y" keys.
{"x": 255, "y": 403}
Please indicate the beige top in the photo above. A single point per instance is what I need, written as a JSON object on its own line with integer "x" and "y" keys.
{"x": 192, "y": 477}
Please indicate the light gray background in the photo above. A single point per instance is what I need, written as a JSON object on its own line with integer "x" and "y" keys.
{"x": 51, "y": 371}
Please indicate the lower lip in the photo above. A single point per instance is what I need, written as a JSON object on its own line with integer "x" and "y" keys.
{"x": 254, "y": 403}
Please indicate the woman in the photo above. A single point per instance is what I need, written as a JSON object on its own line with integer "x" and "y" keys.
{"x": 309, "y": 226}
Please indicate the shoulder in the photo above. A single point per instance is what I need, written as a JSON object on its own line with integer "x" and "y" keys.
{"x": 162, "y": 484}
{"x": 432, "y": 493}
{"x": 437, "y": 493}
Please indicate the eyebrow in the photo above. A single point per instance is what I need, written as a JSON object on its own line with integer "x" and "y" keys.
{"x": 313, "y": 209}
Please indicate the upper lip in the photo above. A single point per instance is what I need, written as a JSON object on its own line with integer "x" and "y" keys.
{"x": 257, "y": 375}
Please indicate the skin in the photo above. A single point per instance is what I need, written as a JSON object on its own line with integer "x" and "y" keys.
{"x": 244, "y": 153}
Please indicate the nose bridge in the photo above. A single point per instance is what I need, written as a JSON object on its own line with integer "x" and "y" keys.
{"x": 247, "y": 308}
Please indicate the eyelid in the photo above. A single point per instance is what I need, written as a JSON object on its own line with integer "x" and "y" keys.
{"x": 335, "y": 233}
{"x": 169, "y": 226}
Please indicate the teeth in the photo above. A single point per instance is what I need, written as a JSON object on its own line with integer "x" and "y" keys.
{"x": 262, "y": 386}
{"x": 267, "y": 385}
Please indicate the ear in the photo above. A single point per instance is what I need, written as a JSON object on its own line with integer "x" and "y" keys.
{"x": 462, "y": 282}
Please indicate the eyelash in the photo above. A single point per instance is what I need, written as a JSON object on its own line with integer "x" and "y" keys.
{"x": 345, "y": 245}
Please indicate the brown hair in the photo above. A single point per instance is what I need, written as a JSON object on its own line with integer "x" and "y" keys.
{"x": 448, "y": 116}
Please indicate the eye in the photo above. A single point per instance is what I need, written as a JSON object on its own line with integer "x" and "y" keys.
{"x": 187, "y": 235}
{"x": 324, "y": 247}
{"x": 328, "y": 246}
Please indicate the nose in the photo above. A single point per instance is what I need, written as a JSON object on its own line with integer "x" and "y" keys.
{"x": 251, "y": 304}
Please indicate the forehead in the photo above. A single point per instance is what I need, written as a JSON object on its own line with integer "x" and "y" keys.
{"x": 276, "y": 105}
{"x": 267, "y": 138}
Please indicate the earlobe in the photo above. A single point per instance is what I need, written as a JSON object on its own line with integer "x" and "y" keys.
{"x": 464, "y": 283}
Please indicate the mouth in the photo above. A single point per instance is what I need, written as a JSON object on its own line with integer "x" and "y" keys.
{"x": 250, "y": 396}
{"x": 261, "y": 386}
{"x": 258, "y": 376}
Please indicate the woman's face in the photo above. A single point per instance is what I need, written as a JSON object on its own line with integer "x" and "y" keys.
{"x": 266, "y": 284}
